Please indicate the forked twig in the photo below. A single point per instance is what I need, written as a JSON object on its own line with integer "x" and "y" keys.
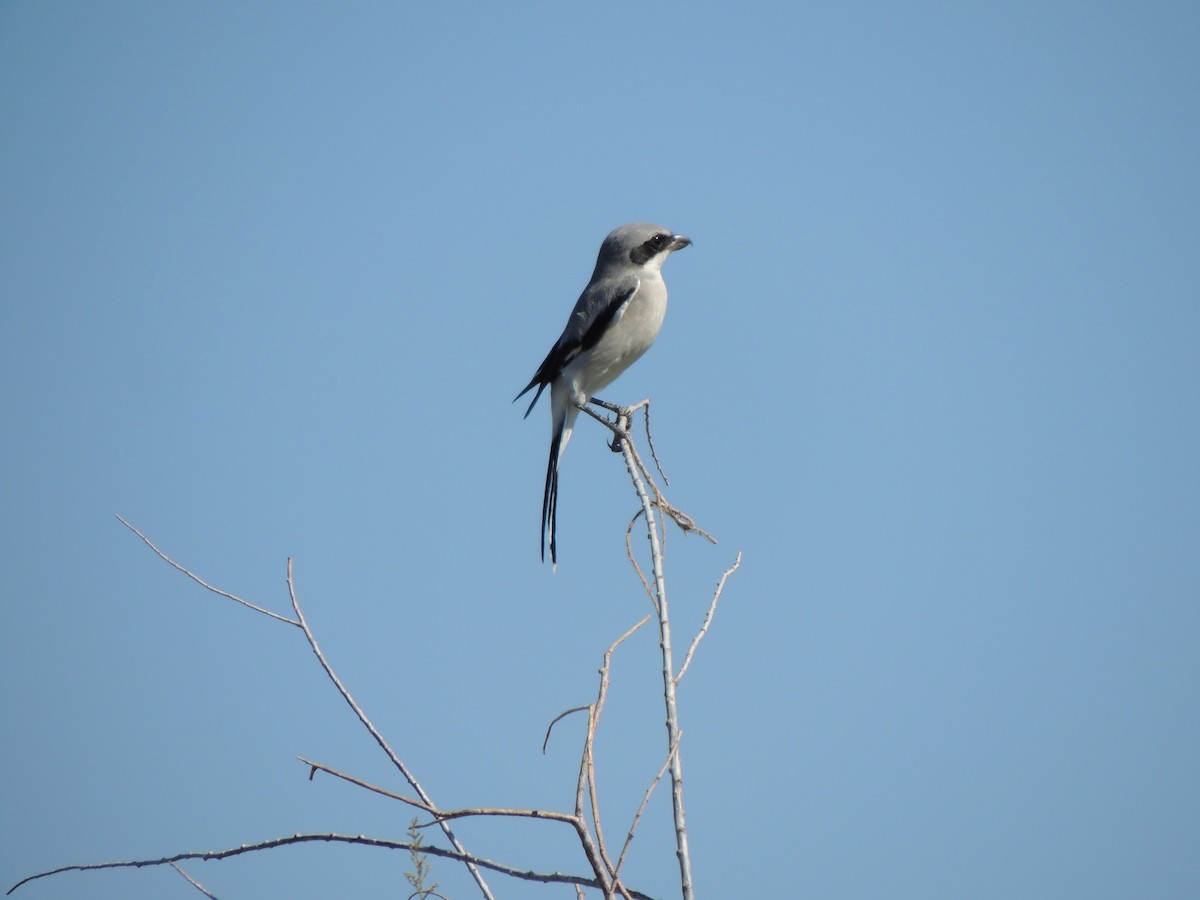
{"x": 623, "y": 441}
{"x": 440, "y": 815}
{"x": 302, "y": 623}
{"x": 589, "y": 754}
{"x": 651, "y": 498}
{"x": 315, "y": 767}
{"x": 586, "y": 786}
{"x": 374, "y": 732}
{"x": 204, "y": 584}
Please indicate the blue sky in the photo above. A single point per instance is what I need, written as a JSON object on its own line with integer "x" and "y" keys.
{"x": 272, "y": 273}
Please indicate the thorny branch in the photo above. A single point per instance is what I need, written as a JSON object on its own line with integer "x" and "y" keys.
{"x": 656, "y": 589}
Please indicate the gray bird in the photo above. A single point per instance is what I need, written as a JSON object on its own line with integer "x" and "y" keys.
{"x": 615, "y": 320}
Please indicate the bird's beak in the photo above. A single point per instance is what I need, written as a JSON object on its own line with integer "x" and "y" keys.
{"x": 679, "y": 241}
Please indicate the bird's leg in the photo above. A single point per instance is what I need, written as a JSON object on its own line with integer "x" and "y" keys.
{"x": 619, "y": 428}
{"x": 604, "y": 404}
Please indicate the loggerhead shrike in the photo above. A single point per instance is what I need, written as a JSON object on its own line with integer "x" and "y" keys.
{"x": 615, "y": 320}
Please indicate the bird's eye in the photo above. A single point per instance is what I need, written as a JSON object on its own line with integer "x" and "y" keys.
{"x": 659, "y": 240}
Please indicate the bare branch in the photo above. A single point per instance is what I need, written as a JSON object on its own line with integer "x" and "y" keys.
{"x": 549, "y": 815}
{"x": 315, "y": 767}
{"x": 440, "y": 814}
{"x": 645, "y": 485}
{"x": 636, "y": 470}
{"x": 624, "y": 441}
{"x": 301, "y": 623}
{"x": 204, "y": 584}
{"x": 193, "y": 882}
{"x": 589, "y": 758}
{"x": 645, "y": 800}
{"x": 606, "y": 875}
{"x": 379, "y": 738}
{"x": 331, "y": 838}
{"x": 712, "y": 609}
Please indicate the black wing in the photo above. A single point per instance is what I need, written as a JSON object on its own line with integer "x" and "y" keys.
{"x": 594, "y": 314}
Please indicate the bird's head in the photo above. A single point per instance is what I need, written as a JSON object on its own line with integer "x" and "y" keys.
{"x": 640, "y": 244}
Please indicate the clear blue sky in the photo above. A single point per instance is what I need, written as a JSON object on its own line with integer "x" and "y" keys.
{"x": 271, "y": 274}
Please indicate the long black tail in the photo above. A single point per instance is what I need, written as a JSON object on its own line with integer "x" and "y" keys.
{"x": 550, "y": 498}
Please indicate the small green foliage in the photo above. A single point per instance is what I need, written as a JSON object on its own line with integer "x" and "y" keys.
{"x": 420, "y": 869}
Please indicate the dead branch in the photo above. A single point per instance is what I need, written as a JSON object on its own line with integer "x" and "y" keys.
{"x": 636, "y": 470}
{"x": 589, "y": 755}
{"x": 593, "y": 852}
{"x": 606, "y": 873}
{"x": 623, "y": 441}
{"x": 302, "y": 623}
{"x": 645, "y": 486}
{"x": 315, "y": 767}
{"x": 332, "y": 838}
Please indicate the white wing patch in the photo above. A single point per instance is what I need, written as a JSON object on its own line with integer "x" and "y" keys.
{"x": 624, "y": 306}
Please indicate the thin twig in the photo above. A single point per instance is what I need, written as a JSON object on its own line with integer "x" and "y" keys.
{"x": 633, "y": 558}
{"x": 650, "y": 443}
{"x": 193, "y": 882}
{"x": 712, "y": 609}
{"x": 555, "y": 720}
{"x": 512, "y": 871}
{"x": 204, "y": 584}
{"x": 645, "y": 800}
{"x": 589, "y": 750}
